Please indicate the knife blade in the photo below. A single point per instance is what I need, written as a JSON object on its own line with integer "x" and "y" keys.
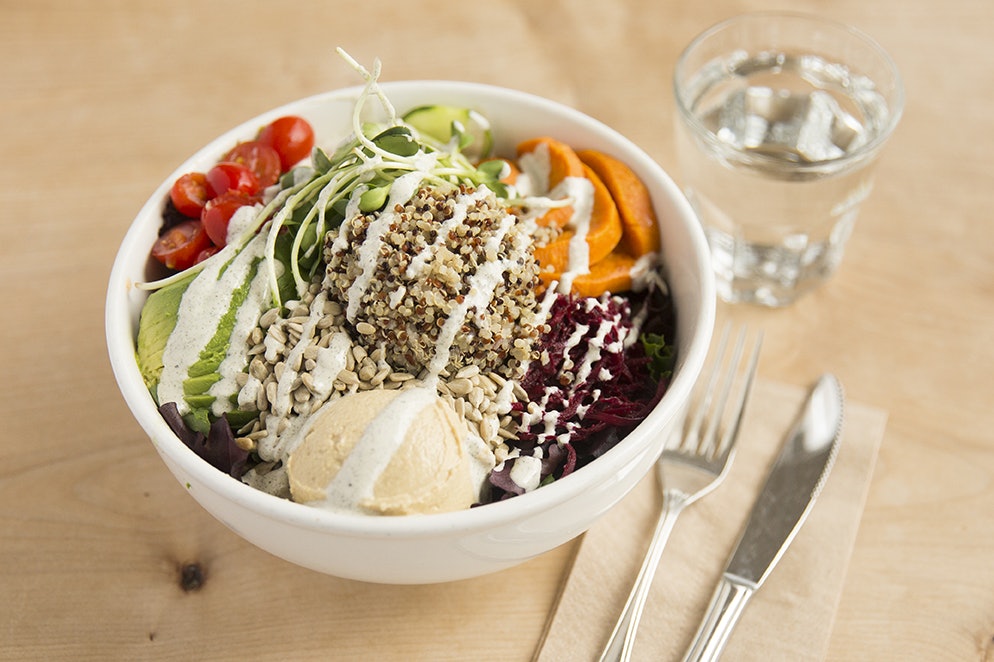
{"x": 793, "y": 484}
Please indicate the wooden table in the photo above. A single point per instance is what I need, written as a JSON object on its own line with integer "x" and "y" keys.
{"x": 101, "y": 100}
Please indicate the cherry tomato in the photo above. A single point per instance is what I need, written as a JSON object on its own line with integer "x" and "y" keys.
{"x": 218, "y": 212}
{"x": 206, "y": 253}
{"x": 179, "y": 246}
{"x": 292, "y": 137}
{"x": 261, "y": 159}
{"x": 189, "y": 193}
{"x": 227, "y": 176}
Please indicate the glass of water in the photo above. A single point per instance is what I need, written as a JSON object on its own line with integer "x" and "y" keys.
{"x": 781, "y": 118}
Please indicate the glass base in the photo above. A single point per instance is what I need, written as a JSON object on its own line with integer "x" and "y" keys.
{"x": 773, "y": 276}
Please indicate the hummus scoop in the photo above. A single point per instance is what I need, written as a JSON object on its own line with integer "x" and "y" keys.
{"x": 384, "y": 452}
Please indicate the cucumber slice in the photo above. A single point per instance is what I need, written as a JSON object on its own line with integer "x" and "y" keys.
{"x": 443, "y": 122}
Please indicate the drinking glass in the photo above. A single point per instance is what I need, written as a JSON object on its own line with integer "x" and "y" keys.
{"x": 781, "y": 119}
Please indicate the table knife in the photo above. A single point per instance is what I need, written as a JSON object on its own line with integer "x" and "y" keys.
{"x": 794, "y": 482}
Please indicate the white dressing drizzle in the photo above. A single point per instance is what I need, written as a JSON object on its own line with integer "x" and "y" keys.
{"x": 396, "y": 296}
{"x": 284, "y": 431}
{"x": 535, "y": 168}
{"x": 581, "y": 191}
{"x": 482, "y": 285}
{"x": 597, "y": 346}
{"x": 329, "y": 362}
{"x": 284, "y": 386}
{"x": 578, "y": 191}
{"x": 234, "y": 362}
{"x": 574, "y": 339}
{"x": 504, "y": 395}
{"x": 526, "y": 472}
{"x": 205, "y": 301}
{"x": 401, "y": 191}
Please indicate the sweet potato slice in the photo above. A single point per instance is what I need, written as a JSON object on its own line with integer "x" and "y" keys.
{"x": 612, "y": 274}
{"x": 563, "y": 163}
{"x": 638, "y": 218}
{"x": 603, "y": 234}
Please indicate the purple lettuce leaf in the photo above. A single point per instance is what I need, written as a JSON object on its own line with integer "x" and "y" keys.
{"x": 217, "y": 447}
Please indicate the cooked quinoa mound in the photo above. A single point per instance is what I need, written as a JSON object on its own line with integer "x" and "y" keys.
{"x": 430, "y": 255}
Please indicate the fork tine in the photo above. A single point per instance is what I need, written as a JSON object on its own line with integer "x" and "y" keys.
{"x": 695, "y": 419}
{"x": 750, "y": 377}
{"x": 721, "y": 382}
{"x": 706, "y": 445}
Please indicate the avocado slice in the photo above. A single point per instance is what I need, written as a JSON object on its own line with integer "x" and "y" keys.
{"x": 157, "y": 321}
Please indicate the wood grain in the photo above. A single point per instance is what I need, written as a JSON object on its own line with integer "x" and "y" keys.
{"x": 101, "y": 100}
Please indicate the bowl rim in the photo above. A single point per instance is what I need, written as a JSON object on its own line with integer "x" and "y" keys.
{"x": 120, "y": 346}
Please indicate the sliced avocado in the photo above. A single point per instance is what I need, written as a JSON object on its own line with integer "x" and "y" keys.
{"x": 204, "y": 372}
{"x": 442, "y": 122}
{"x": 239, "y": 418}
{"x": 157, "y": 321}
{"x": 200, "y": 384}
{"x": 201, "y": 401}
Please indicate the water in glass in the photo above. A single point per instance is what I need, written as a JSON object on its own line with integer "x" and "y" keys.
{"x": 777, "y": 159}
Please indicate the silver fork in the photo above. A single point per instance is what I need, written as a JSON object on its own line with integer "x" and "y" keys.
{"x": 689, "y": 471}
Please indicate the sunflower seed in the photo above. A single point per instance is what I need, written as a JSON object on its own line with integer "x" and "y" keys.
{"x": 460, "y": 386}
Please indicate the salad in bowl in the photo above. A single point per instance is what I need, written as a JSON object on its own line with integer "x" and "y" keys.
{"x": 400, "y": 307}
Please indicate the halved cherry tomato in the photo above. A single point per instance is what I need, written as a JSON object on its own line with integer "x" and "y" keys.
{"x": 206, "y": 253}
{"x": 218, "y": 212}
{"x": 292, "y": 137}
{"x": 180, "y": 245}
{"x": 189, "y": 193}
{"x": 261, "y": 159}
{"x": 227, "y": 176}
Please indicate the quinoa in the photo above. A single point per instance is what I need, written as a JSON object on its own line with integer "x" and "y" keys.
{"x": 426, "y": 266}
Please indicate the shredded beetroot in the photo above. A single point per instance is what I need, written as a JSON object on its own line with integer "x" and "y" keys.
{"x": 590, "y": 417}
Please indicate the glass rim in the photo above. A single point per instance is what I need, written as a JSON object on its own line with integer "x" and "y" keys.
{"x": 895, "y": 105}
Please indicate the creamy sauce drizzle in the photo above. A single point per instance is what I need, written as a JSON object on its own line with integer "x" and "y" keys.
{"x": 505, "y": 393}
{"x": 581, "y": 191}
{"x": 578, "y": 191}
{"x": 284, "y": 431}
{"x": 205, "y": 301}
{"x": 401, "y": 191}
{"x": 526, "y": 472}
{"x": 462, "y": 204}
{"x": 482, "y": 285}
{"x": 234, "y": 362}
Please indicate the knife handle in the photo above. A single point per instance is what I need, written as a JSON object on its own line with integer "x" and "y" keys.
{"x": 723, "y": 613}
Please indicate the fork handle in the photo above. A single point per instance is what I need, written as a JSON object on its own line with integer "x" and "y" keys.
{"x": 619, "y": 646}
{"x": 727, "y": 604}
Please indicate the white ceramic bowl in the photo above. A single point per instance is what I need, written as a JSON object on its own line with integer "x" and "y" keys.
{"x": 450, "y": 546}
